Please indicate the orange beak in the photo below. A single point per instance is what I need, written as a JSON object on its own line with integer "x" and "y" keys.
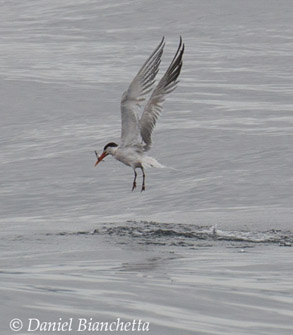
{"x": 103, "y": 155}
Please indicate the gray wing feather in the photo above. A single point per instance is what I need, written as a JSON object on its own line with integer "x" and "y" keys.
{"x": 132, "y": 99}
{"x": 154, "y": 107}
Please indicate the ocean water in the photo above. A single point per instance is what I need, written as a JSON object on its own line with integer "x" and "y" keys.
{"x": 206, "y": 249}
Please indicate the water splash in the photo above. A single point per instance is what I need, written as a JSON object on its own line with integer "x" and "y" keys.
{"x": 185, "y": 235}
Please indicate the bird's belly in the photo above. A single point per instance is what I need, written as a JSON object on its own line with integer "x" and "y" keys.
{"x": 129, "y": 158}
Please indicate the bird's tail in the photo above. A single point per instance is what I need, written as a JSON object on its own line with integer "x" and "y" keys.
{"x": 151, "y": 162}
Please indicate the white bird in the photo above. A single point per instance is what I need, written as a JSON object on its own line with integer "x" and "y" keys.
{"x": 136, "y": 131}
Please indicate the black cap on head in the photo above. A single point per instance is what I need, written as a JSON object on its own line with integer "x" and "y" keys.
{"x": 111, "y": 144}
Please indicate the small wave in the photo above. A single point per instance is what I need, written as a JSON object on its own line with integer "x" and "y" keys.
{"x": 145, "y": 232}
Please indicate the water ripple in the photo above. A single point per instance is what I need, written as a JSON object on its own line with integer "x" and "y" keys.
{"x": 185, "y": 235}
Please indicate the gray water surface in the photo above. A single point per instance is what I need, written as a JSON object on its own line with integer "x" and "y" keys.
{"x": 206, "y": 248}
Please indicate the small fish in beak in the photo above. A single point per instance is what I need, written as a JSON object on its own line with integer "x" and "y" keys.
{"x": 100, "y": 158}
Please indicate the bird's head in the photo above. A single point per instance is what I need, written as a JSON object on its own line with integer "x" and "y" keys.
{"x": 108, "y": 150}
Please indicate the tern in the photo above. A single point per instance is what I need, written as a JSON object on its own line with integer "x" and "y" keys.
{"x": 136, "y": 131}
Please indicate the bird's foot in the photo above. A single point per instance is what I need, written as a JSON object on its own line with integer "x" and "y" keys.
{"x": 143, "y": 188}
{"x": 133, "y": 186}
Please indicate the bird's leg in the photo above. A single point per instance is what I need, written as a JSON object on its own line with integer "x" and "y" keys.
{"x": 134, "y": 181}
{"x": 143, "y": 180}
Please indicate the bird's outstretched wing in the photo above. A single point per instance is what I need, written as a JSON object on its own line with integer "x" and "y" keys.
{"x": 154, "y": 106}
{"x": 132, "y": 99}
